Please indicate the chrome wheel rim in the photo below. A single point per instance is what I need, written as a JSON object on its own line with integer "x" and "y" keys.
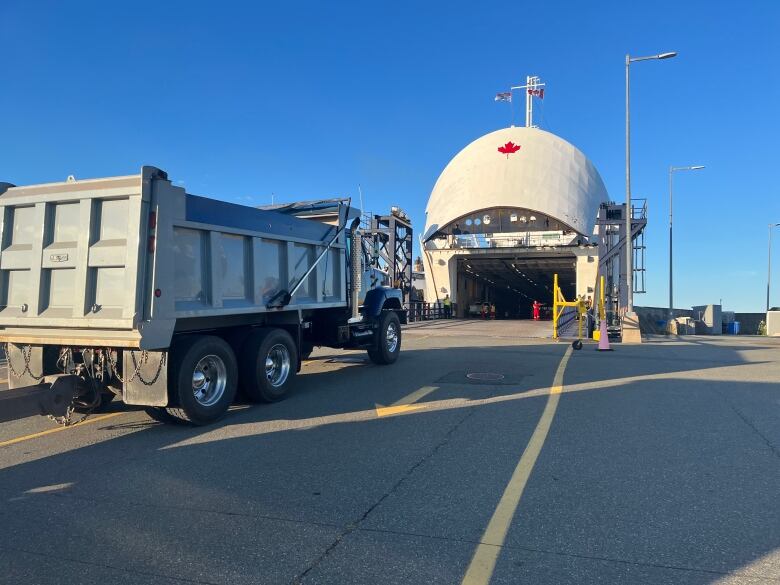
{"x": 391, "y": 337}
{"x": 209, "y": 379}
{"x": 277, "y": 365}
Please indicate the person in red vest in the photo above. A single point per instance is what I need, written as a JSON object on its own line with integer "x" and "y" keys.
{"x": 537, "y": 307}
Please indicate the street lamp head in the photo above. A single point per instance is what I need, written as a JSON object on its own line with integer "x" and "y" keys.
{"x": 691, "y": 168}
{"x": 630, "y": 59}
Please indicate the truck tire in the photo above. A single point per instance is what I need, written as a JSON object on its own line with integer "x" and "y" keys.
{"x": 203, "y": 383}
{"x": 388, "y": 340}
{"x": 269, "y": 361}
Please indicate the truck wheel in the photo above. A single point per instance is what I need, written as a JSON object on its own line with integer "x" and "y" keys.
{"x": 269, "y": 360}
{"x": 203, "y": 384}
{"x": 388, "y": 340}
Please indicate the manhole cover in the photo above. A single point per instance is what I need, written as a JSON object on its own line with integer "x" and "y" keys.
{"x": 485, "y": 376}
{"x": 465, "y": 376}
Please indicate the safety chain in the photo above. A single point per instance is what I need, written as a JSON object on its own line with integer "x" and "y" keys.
{"x": 145, "y": 357}
{"x": 138, "y": 365}
{"x": 65, "y": 362}
{"x": 26, "y": 356}
{"x": 66, "y": 420}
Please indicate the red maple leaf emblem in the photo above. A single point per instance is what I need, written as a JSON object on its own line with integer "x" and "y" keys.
{"x": 509, "y": 148}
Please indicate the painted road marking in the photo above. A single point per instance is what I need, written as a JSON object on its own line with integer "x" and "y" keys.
{"x": 483, "y": 563}
{"x": 406, "y": 403}
{"x": 58, "y": 429}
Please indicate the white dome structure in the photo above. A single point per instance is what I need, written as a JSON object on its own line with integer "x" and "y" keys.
{"x": 511, "y": 214}
{"x": 522, "y": 168}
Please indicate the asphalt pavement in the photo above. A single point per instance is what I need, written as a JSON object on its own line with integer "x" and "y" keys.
{"x": 486, "y": 454}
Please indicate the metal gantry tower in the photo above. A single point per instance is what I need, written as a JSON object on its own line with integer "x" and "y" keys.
{"x": 387, "y": 248}
{"x": 611, "y": 225}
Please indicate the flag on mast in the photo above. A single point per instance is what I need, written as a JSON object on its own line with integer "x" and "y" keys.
{"x": 504, "y": 96}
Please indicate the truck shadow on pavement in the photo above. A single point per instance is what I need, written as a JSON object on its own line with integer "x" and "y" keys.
{"x": 643, "y": 479}
{"x": 342, "y": 382}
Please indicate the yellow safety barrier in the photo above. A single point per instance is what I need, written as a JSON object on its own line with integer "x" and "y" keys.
{"x": 560, "y": 304}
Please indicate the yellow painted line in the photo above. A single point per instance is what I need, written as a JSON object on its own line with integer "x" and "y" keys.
{"x": 483, "y": 563}
{"x": 58, "y": 429}
{"x": 406, "y": 403}
{"x": 391, "y": 410}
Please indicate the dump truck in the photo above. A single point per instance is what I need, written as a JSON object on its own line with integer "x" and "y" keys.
{"x": 131, "y": 287}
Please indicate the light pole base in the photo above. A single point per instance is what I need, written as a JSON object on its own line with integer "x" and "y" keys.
{"x": 631, "y": 333}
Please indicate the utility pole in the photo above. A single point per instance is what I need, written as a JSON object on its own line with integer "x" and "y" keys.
{"x": 629, "y": 242}
{"x": 672, "y": 170}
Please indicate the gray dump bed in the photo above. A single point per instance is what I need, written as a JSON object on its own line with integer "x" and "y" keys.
{"x": 124, "y": 261}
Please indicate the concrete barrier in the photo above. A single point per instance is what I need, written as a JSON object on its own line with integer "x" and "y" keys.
{"x": 773, "y": 323}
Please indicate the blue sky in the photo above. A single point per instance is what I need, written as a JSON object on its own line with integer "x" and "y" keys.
{"x": 241, "y": 100}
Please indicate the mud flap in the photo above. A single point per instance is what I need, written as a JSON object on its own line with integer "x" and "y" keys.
{"x": 146, "y": 378}
{"x": 27, "y": 362}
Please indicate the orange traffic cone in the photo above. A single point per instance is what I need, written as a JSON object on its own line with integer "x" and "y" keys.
{"x": 603, "y": 337}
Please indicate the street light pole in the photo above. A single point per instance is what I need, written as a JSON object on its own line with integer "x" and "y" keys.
{"x": 769, "y": 264}
{"x": 629, "y": 243}
{"x": 671, "y": 173}
{"x": 671, "y": 256}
